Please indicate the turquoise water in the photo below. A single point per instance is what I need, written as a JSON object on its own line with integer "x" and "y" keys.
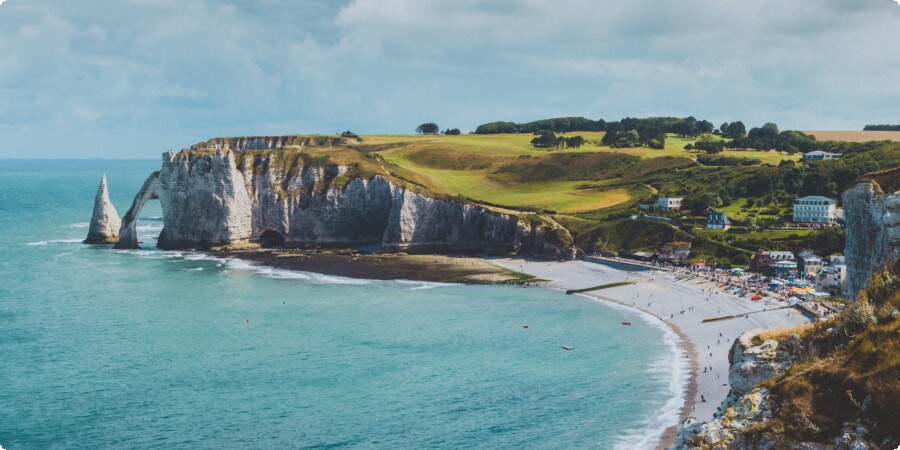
{"x": 138, "y": 349}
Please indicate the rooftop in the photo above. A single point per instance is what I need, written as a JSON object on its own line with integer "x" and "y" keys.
{"x": 814, "y": 198}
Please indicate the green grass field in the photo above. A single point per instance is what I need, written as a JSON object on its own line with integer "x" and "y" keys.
{"x": 473, "y": 166}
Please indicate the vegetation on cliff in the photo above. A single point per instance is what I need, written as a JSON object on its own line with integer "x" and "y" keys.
{"x": 846, "y": 374}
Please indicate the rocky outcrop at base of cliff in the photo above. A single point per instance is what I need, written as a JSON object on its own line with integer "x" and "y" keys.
{"x": 872, "y": 216}
{"x": 218, "y": 197}
{"x": 105, "y": 222}
{"x": 751, "y": 405}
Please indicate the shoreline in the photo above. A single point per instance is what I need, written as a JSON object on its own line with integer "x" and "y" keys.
{"x": 707, "y": 383}
{"x": 383, "y": 267}
{"x": 700, "y": 393}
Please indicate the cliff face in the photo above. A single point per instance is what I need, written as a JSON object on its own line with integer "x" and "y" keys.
{"x": 220, "y": 197}
{"x": 872, "y": 215}
{"x": 268, "y": 142}
{"x": 105, "y": 222}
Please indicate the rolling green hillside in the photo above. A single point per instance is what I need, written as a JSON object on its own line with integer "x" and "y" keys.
{"x": 594, "y": 190}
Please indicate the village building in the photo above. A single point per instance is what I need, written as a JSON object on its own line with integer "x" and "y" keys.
{"x": 816, "y": 210}
{"x": 809, "y": 263}
{"x": 784, "y": 268}
{"x": 763, "y": 260}
{"x": 833, "y": 279}
{"x": 819, "y": 155}
{"x": 674, "y": 251}
{"x": 717, "y": 221}
{"x": 669, "y": 204}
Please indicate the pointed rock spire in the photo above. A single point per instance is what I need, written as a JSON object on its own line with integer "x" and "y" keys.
{"x": 105, "y": 222}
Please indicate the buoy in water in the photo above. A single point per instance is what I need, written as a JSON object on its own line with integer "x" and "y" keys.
{"x": 626, "y": 323}
{"x": 525, "y": 326}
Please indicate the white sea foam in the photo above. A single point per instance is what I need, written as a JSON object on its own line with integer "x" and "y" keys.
{"x": 331, "y": 279}
{"x": 56, "y": 242}
{"x": 80, "y": 225}
{"x": 149, "y": 228}
{"x": 423, "y": 285}
{"x": 195, "y": 269}
{"x": 249, "y": 266}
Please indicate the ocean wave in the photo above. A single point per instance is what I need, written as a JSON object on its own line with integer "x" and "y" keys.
{"x": 149, "y": 228}
{"x": 423, "y": 285}
{"x": 269, "y": 272}
{"x": 152, "y": 218}
{"x": 56, "y": 242}
{"x": 80, "y": 225}
{"x": 154, "y": 254}
{"x": 247, "y": 266}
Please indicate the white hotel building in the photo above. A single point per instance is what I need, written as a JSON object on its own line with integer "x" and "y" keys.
{"x": 816, "y": 209}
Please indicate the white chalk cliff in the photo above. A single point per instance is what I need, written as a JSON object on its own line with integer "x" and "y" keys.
{"x": 105, "y": 222}
{"x": 223, "y": 195}
{"x": 872, "y": 215}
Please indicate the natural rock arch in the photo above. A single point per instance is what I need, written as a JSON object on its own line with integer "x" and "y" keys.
{"x": 151, "y": 190}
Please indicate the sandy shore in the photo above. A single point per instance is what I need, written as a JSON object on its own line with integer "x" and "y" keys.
{"x": 352, "y": 264}
{"x": 681, "y": 305}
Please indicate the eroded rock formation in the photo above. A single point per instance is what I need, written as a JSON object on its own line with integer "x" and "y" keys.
{"x": 872, "y": 215}
{"x": 217, "y": 197}
{"x": 105, "y": 222}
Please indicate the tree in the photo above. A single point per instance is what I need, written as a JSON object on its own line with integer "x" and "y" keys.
{"x": 710, "y": 145}
{"x": 428, "y": 128}
{"x": 574, "y": 141}
{"x": 737, "y": 129}
{"x": 452, "y": 132}
{"x": 704, "y": 127}
{"x": 546, "y": 140}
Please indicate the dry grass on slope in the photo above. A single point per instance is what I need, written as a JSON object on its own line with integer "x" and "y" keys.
{"x": 849, "y": 372}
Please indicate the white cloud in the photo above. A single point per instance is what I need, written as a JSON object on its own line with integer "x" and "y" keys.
{"x": 167, "y": 73}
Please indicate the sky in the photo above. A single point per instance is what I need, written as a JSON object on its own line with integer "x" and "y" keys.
{"x": 134, "y": 78}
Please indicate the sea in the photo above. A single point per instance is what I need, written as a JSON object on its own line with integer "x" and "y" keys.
{"x": 102, "y": 348}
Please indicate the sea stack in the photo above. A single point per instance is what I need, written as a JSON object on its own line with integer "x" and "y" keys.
{"x": 105, "y": 222}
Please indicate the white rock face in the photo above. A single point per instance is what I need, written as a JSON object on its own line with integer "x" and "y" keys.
{"x": 105, "y": 222}
{"x": 751, "y": 365}
{"x": 873, "y": 231}
{"x": 210, "y": 199}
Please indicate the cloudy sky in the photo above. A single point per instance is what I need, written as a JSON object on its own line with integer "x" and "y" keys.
{"x": 132, "y": 78}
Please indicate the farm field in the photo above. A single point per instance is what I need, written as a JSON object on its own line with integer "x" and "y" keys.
{"x": 856, "y": 135}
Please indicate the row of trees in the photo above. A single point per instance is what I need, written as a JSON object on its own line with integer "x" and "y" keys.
{"x": 652, "y": 127}
{"x": 433, "y": 128}
{"x": 548, "y": 139}
{"x": 556, "y": 125}
{"x": 882, "y": 127}
{"x": 768, "y": 137}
